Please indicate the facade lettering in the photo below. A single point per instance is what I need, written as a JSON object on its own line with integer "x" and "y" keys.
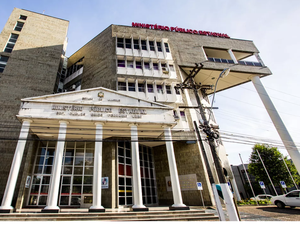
{"x": 177, "y": 29}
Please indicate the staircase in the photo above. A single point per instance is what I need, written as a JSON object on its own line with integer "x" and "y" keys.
{"x": 157, "y": 215}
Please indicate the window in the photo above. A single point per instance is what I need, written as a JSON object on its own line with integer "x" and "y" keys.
{"x": 177, "y": 91}
{"x": 160, "y": 89}
{"x": 22, "y": 17}
{"x": 171, "y": 67}
{"x": 293, "y": 194}
{"x": 19, "y": 26}
{"x": 129, "y": 64}
{"x": 128, "y": 43}
{"x": 141, "y": 87}
{"x": 121, "y": 86}
{"x": 3, "y": 61}
{"x": 121, "y": 63}
{"x": 167, "y": 47}
{"x": 168, "y": 89}
{"x": 182, "y": 115}
{"x": 120, "y": 43}
{"x": 11, "y": 42}
{"x": 144, "y": 45}
{"x": 131, "y": 86}
{"x": 150, "y": 88}
{"x": 155, "y": 66}
{"x": 159, "y": 46}
{"x": 147, "y": 65}
{"x": 136, "y": 44}
{"x": 151, "y": 44}
{"x": 138, "y": 65}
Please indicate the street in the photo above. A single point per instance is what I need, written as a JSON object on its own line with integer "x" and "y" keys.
{"x": 267, "y": 213}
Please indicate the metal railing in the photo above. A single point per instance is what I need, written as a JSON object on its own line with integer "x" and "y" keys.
{"x": 246, "y": 63}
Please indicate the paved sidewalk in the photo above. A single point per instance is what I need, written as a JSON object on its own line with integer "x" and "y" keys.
{"x": 264, "y": 213}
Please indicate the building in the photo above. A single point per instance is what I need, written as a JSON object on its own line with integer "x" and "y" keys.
{"x": 121, "y": 122}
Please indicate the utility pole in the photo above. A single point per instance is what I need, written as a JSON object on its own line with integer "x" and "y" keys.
{"x": 212, "y": 135}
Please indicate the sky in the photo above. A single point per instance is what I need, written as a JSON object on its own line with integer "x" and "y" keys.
{"x": 273, "y": 26}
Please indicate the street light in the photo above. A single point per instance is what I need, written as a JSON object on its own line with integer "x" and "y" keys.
{"x": 224, "y": 73}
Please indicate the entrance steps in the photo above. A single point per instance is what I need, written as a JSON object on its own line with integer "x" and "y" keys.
{"x": 152, "y": 215}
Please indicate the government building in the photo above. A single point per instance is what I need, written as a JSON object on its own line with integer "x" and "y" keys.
{"x": 120, "y": 123}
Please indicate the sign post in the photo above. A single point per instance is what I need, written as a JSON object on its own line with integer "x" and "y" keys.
{"x": 200, "y": 188}
{"x": 283, "y": 185}
{"x": 262, "y": 185}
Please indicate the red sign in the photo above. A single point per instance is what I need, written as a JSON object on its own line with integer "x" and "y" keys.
{"x": 177, "y": 29}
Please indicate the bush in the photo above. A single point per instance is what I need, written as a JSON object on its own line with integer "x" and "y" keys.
{"x": 253, "y": 202}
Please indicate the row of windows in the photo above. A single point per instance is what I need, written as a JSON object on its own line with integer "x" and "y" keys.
{"x": 142, "y": 45}
{"x": 3, "y": 61}
{"x": 145, "y": 65}
{"x": 11, "y": 43}
{"x": 143, "y": 87}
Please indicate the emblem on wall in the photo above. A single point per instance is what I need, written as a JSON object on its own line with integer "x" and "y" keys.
{"x": 100, "y": 94}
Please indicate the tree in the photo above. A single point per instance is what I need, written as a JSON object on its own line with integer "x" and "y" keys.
{"x": 272, "y": 159}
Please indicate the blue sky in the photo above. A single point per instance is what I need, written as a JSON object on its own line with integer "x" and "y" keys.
{"x": 273, "y": 25}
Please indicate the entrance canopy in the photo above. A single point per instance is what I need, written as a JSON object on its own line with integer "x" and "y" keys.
{"x": 82, "y": 109}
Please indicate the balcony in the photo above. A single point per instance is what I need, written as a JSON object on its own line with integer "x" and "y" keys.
{"x": 229, "y": 61}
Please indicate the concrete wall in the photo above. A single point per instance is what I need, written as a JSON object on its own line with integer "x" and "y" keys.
{"x": 30, "y": 71}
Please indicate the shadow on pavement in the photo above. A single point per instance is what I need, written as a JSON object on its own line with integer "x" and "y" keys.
{"x": 286, "y": 210}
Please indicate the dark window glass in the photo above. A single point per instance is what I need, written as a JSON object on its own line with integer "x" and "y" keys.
{"x": 136, "y": 44}
{"x": 131, "y": 86}
{"x": 159, "y": 89}
{"x": 129, "y": 64}
{"x": 3, "y": 61}
{"x": 168, "y": 89}
{"x": 121, "y": 87}
{"x": 144, "y": 45}
{"x": 128, "y": 43}
{"x": 155, "y": 66}
{"x": 19, "y": 26}
{"x": 121, "y": 63}
{"x": 138, "y": 65}
{"x": 150, "y": 88}
{"x": 146, "y": 65}
{"x": 159, "y": 46}
{"x": 22, "y": 17}
{"x": 120, "y": 43}
{"x": 167, "y": 47}
{"x": 151, "y": 45}
{"x": 141, "y": 87}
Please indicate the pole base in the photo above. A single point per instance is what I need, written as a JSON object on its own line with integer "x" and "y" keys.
{"x": 50, "y": 211}
{"x": 97, "y": 210}
{"x": 140, "y": 209}
{"x": 6, "y": 210}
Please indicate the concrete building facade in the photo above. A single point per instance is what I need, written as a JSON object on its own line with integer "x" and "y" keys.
{"x": 124, "y": 131}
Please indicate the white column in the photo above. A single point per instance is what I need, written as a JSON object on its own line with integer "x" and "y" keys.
{"x": 56, "y": 170}
{"x": 136, "y": 173}
{"x": 173, "y": 171}
{"x": 259, "y": 59}
{"x": 278, "y": 123}
{"x": 97, "y": 177}
{"x": 232, "y": 56}
{"x": 15, "y": 167}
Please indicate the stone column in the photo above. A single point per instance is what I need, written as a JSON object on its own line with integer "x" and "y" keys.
{"x": 278, "y": 123}
{"x": 136, "y": 172}
{"x": 56, "y": 170}
{"x": 97, "y": 177}
{"x": 14, "y": 170}
{"x": 178, "y": 204}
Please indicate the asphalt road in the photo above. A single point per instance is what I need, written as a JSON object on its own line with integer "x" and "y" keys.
{"x": 268, "y": 213}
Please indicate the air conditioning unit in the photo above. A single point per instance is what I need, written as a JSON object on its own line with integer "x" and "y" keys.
{"x": 165, "y": 70}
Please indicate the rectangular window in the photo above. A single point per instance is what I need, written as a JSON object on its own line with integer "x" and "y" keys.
{"x": 177, "y": 91}
{"x": 168, "y": 89}
{"x": 3, "y": 61}
{"x": 160, "y": 89}
{"x": 150, "y": 88}
{"x": 120, "y": 43}
{"x": 141, "y": 87}
{"x": 121, "y": 86}
{"x": 128, "y": 43}
{"x": 144, "y": 45}
{"x": 136, "y": 44}
{"x": 131, "y": 86}
{"x": 22, "y": 17}
{"x": 159, "y": 46}
{"x": 182, "y": 115}
{"x": 151, "y": 44}
{"x": 138, "y": 65}
{"x": 171, "y": 68}
{"x": 155, "y": 66}
{"x": 121, "y": 63}
{"x": 19, "y": 26}
{"x": 147, "y": 66}
{"x": 167, "y": 47}
{"x": 129, "y": 64}
{"x": 11, "y": 42}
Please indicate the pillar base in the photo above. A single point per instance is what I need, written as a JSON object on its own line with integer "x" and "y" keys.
{"x": 50, "y": 210}
{"x": 97, "y": 210}
{"x": 6, "y": 210}
{"x": 140, "y": 209}
{"x": 179, "y": 208}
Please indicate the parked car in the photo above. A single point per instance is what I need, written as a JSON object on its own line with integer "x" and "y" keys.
{"x": 261, "y": 197}
{"x": 291, "y": 199}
